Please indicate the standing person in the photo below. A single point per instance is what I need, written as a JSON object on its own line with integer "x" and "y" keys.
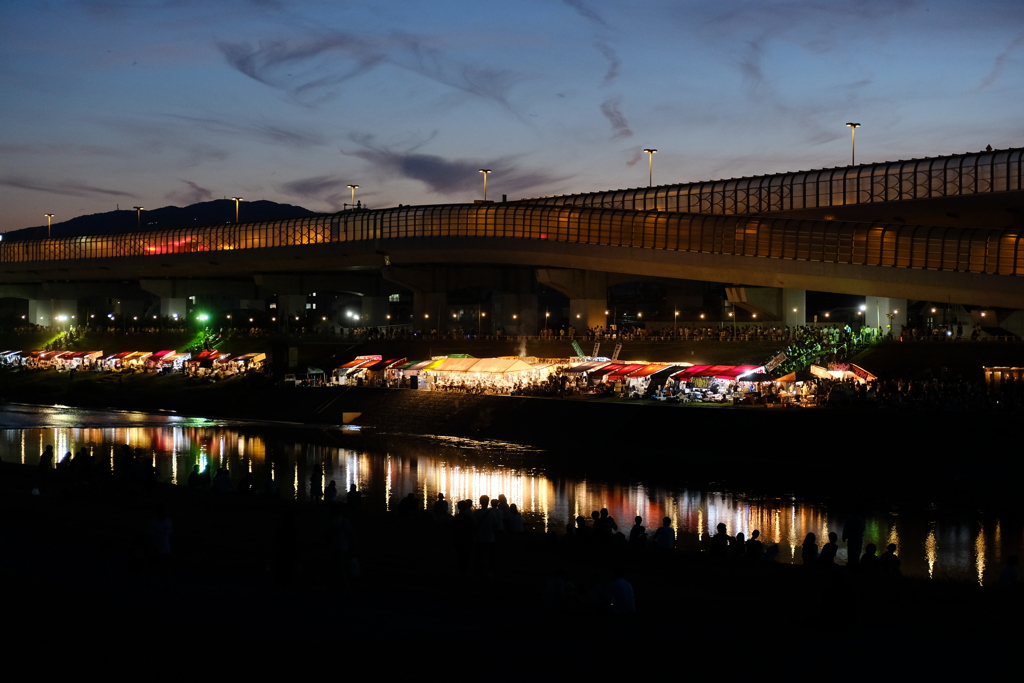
{"x": 44, "y": 469}
{"x": 809, "y": 550}
{"x": 720, "y": 542}
{"x": 665, "y": 536}
{"x": 637, "y": 534}
{"x": 853, "y": 534}
{"x": 827, "y": 558}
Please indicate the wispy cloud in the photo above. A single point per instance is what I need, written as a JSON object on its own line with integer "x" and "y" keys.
{"x": 68, "y": 188}
{"x": 267, "y": 132}
{"x": 584, "y": 11}
{"x": 308, "y": 68}
{"x": 324, "y": 188}
{"x": 613, "y": 61}
{"x": 192, "y": 193}
{"x": 449, "y": 176}
{"x": 1001, "y": 60}
{"x": 611, "y": 111}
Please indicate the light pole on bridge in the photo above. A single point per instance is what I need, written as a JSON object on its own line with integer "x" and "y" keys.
{"x": 853, "y": 142}
{"x": 49, "y": 217}
{"x": 138, "y": 216}
{"x": 485, "y": 171}
{"x": 236, "y": 200}
{"x": 650, "y": 166}
{"x": 353, "y": 188}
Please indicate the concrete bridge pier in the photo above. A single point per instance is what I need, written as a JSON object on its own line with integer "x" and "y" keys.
{"x": 770, "y": 304}
{"x": 587, "y": 291}
{"x": 877, "y": 310}
{"x": 515, "y": 313}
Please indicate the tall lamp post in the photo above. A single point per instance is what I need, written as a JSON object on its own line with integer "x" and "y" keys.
{"x": 138, "y": 216}
{"x": 237, "y": 199}
{"x": 853, "y": 142}
{"x": 485, "y": 171}
{"x": 353, "y": 188}
{"x": 650, "y": 166}
{"x": 49, "y": 217}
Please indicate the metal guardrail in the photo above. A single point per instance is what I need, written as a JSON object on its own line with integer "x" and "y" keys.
{"x": 946, "y": 176}
{"x": 996, "y": 251}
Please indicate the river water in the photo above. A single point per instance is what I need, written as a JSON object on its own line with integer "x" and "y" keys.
{"x": 937, "y": 543}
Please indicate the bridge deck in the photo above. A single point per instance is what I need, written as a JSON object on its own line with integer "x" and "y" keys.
{"x": 963, "y": 250}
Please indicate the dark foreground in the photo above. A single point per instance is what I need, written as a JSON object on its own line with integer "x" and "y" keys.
{"x": 75, "y": 561}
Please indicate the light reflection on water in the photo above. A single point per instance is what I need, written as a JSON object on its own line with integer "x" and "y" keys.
{"x": 936, "y": 546}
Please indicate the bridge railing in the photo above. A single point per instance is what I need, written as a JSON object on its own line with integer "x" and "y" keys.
{"x": 996, "y": 251}
{"x": 948, "y": 176}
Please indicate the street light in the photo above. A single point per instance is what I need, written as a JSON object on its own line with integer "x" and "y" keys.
{"x": 853, "y": 146}
{"x": 237, "y": 199}
{"x": 49, "y": 217}
{"x": 650, "y": 165}
{"x": 353, "y": 188}
{"x": 485, "y": 171}
{"x": 138, "y": 216}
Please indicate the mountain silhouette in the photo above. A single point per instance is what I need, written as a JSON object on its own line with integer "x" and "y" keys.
{"x": 218, "y": 211}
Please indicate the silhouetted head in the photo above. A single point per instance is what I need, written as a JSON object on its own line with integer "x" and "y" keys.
{"x": 638, "y": 520}
{"x": 581, "y": 521}
{"x": 484, "y": 500}
{"x": 833, "y": 537}
{"x": 810, "y": 539}
{"x": 870, "y": 549}
{"x": 513, "y": 509}
{"x": 440, "y": 496}
{"x": 502, "y": 498}
{"x": 891, "y": 547}
{"x": 754, "y": 534}
{"x": 666, "y": 522}
{"x": 352, "y": 488}
{"x": 604, "y": 512}
{"x": 721, "y": 527}
{"x": 595, "y": 515}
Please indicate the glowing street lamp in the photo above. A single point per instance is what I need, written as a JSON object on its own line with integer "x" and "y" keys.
{"x": 138, "y": 216}
{"x": 853, "y": 146}
{"x": 236, "y": 199}
{"x": 485, "y": 171}
{"x": 353, "y": 188}
{"x": 49, "y": 217}
{"x": 650, "y": 165}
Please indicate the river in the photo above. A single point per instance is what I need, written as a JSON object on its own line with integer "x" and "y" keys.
{"x": 937, "y": 542}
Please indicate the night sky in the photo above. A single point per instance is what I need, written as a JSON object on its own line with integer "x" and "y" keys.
{"x": 178, "y": 101}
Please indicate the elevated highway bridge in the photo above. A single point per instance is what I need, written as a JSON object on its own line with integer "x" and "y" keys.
{"x": 752, "y": 231}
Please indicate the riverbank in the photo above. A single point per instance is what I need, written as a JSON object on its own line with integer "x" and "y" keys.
{"x": 76, "y": 555}
{"x": 847, "y": 456}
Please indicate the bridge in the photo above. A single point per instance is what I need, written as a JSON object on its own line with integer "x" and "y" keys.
{"x": 579, "y": 244}
{"x": 933, "y": 187}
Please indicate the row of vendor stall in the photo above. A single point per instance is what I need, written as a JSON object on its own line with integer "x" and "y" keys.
{"x": 500, "y": 374}
{"x": 201, "y": 364}
{"x": 665, "y": 381}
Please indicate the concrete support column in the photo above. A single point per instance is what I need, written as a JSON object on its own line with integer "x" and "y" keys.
{"x": 173, "y": 307}
{"x": 374, "y": 311}
{"x": 430, "y": 310}
{"x": 876, "y": 310}
{"x": 794, "y": 307}
{"x": 584, "y": 313}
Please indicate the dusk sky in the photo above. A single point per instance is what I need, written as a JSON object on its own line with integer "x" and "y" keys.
{"x": 179, "y": 101}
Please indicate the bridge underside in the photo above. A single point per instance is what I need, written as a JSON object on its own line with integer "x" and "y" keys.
{"x": 367, "y": 257}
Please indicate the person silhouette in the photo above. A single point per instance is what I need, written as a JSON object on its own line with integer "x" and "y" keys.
{"x": 853, "y": 534}
{"x": 889, "y": 563}
{"x": 720, "y": 542}
{"x": 755, "y": 549}
{"x": 665, "y": 536}
{"x": 827, "y": 558}
{"x": 637, "y": 534}
{"x": 869, "y": 560}
{"x": 809, "y": 550}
